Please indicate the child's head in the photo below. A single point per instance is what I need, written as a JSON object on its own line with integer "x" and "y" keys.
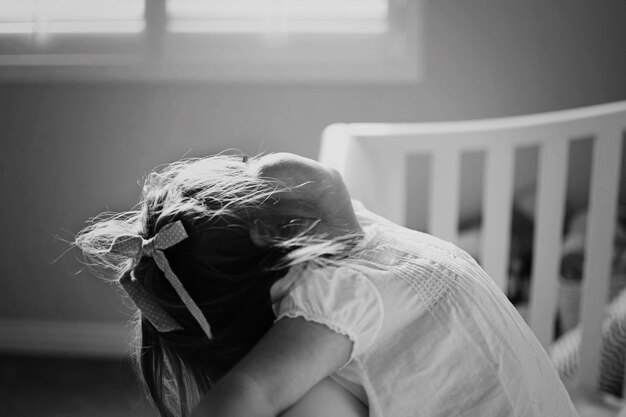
{"x": 246, "y": 221}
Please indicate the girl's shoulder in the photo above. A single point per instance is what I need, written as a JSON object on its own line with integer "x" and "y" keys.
{"x": 341, "y": 297}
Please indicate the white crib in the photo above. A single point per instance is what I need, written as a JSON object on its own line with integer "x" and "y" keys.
{"x": 373, "y": 161}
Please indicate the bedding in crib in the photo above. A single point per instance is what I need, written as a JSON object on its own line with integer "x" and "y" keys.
{"x": 565, "y": 352}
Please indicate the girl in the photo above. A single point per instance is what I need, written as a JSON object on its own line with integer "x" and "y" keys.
{"x": 262, "y": 286}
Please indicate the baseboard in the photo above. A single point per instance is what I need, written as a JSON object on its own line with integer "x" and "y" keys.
{"x": 95, "y": 339}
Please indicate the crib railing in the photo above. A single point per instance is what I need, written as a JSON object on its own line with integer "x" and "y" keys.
{"x": 373, "y": 161}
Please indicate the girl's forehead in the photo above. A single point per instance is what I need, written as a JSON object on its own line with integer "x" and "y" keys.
{"x": 291, "y": 169}
{"x": 312, "y": 188}
{"x": 285, "y": 159}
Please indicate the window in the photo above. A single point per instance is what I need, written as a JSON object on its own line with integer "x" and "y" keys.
{"x": 278, "y": 18}
{"x": 232, "y": 40}
{"x": 69, "y": 32}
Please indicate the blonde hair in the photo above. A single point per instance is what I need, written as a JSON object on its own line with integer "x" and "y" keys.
{"x": 217, "y": 199}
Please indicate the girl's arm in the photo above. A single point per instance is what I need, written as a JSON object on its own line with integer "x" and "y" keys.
{"x": 293, "y": 357}
{"x": 327, "y": 398}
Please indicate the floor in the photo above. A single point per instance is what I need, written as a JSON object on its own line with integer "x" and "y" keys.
{"x": 69, "y": 387}
{"x": 73, "y": 387}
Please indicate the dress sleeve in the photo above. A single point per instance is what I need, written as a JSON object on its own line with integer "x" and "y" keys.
{"x": 340, "y": 298}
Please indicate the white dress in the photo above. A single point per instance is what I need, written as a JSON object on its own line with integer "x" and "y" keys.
{"x": 432, "y": 334}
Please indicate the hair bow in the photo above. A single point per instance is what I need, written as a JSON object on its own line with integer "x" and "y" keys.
{"x": 134, "y": 246}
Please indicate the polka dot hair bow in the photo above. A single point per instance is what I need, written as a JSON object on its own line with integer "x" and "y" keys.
{"x": 148, "y": 306}
{"x": 134, "y": 246}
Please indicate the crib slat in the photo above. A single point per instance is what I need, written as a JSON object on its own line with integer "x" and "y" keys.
{"x": 497, "y": 197}
{"x": 443, "y": 210}
{"x": 549, "y": 209}
{"x": 394, "y": 187}
{"x": 598, "y": 251}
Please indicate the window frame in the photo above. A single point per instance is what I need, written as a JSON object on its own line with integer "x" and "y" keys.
{"x": 153, "y": 55}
